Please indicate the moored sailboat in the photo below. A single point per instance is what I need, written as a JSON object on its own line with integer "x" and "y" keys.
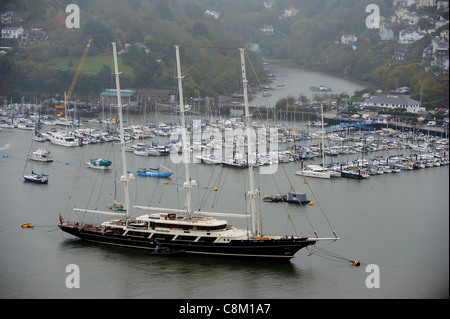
{"x": 195, "y": 232}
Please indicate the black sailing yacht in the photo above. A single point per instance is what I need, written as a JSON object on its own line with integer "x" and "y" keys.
{"x": 195, "y": 232}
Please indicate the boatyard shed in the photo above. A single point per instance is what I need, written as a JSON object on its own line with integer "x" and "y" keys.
{"x": 109, "y": 97}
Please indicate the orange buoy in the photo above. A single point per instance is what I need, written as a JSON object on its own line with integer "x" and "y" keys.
{"x": 356, "y": 263}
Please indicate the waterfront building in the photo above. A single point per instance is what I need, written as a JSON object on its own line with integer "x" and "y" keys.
{"x": 394, "y": 102}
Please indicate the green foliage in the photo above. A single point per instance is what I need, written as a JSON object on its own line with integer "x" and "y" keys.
{"x": 209, "y": 65}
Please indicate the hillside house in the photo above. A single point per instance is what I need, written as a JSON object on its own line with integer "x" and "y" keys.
{"x": 428, "y": 52}
{"x": 404, "y": 3}
{"x": 386, "y": 34}
{"x": 348, "y": 39}
{"x": 266, "y": 29}
{"x": 31, "y": 36}
{"x": 443, "y": 5}
{"x": 215, "y": 14}
{"x": 12, "y": 32}
{"x": 440, "y": 22}
{"x": 426, "y": 3}
{"x": 10, "y": 17}
{"x": 288, "y": 13}
{"x": 407, "y": 36}
{"x": 400, "y": 54}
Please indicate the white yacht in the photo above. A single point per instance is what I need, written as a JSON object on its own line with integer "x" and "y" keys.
{"x": 41, "y": 155}
{"x": 63, "y": 139}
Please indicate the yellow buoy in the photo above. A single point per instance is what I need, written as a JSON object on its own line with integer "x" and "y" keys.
{"x": 27, "y": 225}
{"x": 166, "y": 182}
{"x": 215, "y": 189}
{"x": 311, "y": 203}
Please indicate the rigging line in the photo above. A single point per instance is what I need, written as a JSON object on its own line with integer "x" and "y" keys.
{"x": 205, "y": 194}
{"x": 103, "y": 173}
{"x": 275, "y": 119}
{"x": 219, "y": 72}
{"x": 218, "y": 181}
{"x": 273, "y": 177}
{"x": 328, "y": 254}
{"x": 221, "y": 188}
{"x": 318, "y": 203}
{"x": 193, "y": 46}
{"x": 26, "y": 161}
{"x": 76, "y": 181}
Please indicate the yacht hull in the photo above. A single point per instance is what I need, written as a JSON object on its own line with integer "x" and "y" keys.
{"x": 270, "y": 249}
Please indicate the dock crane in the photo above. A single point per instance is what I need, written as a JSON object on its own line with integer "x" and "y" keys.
{"x": 77, "y": 73}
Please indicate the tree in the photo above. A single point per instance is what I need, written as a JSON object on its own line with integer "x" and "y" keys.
{"x": 303, "y": 99}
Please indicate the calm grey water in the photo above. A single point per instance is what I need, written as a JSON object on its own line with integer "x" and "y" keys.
{"x": 399, "y": 222}
{"x": 298, "y": 81}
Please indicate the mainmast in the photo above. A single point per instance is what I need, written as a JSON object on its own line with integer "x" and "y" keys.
{"x": 125, "y": 178}
{"x": 188, "y": 183}
{"x": 256, "y": 222}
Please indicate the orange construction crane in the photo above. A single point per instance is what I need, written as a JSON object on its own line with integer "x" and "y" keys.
{"x": 77, "y": 73}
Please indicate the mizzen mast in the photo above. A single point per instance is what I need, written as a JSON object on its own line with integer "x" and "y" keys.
{"x": 188, "y": 183}
{"x": 125, "y": 178}
{"x": 256, "y": 222}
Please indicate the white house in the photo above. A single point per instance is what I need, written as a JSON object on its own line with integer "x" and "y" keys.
{"x": 427, "y": 3}
{"x": 394, "y": 102}
{"x": 407, "y": 36}
{"x": 215, "y": 14}
{"x": 10, "y": 17}
{"x": 267, "y": 29}
{"x": 348, "y": 39}
{"x": 12, "y": 32}
{"x": 291, "y": 12}
{"x": 386, "y": 34}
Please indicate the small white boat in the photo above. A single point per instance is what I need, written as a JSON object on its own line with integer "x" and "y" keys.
{"x": 41, "y": 155}
{"x": 209, "y": 159}
{"x": 317, "y": 171}
{"x": 38, "y": 137}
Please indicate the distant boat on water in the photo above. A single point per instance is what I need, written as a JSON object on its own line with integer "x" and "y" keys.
{"x": 154, "y": 172}
{"x": 99, "y": 163}
{"x": 320, "y": 88}
{"x": 41, "y": 155}
{"x": 36, "y": 178}
{"x": 63, "y": 139}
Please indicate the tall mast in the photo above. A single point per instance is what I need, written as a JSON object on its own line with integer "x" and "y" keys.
{"x": 125, "y": 178}
{"x": 323, "y": 138}
{"x": 256, "y": 223}
{"x": 187, "y": 184}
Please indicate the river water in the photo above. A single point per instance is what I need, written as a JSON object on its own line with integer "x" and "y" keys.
{"x": 292, "y": 81}
{"x": 396, "y": 225}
